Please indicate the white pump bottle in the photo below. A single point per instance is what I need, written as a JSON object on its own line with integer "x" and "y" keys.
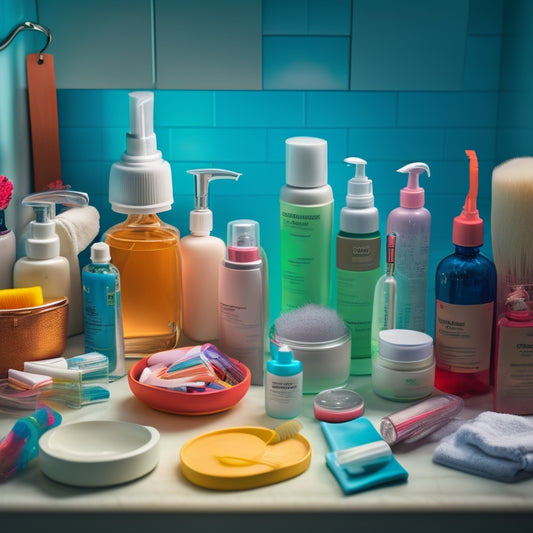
{"x": 201, "y": 255}
{"x": 43, "y": 265}
{"x": 412, "y": 224}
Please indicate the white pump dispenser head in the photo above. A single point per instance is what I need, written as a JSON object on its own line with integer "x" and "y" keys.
{"x": 141, "y": 182}
{"x": 359, "y": 215}
{"x": 412, "y": 196}
{"x": 201, "y": 219}
{"x": 43, "y": 242}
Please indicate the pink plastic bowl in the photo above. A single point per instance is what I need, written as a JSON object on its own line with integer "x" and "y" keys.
{"x": 187, "y": 403}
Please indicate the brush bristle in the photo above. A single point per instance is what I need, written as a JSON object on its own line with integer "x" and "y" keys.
{"x": 21, "y": 298}
{"x": 287, "y": 430}
{"x": 512, "y": 219}
{"x": 310, "y": 323}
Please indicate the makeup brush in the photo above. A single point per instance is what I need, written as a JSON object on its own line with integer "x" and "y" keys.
{"x": 511, "y": 223}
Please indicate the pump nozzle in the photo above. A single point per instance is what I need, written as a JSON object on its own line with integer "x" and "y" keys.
{"x": 468, "y": 226}
{"x": 202, "y": 178}
{"x": 201, "y": 219}
{"x": 141, "y": 140}
{"x": 412, "y": 196}
{"x": 43, "y": 242}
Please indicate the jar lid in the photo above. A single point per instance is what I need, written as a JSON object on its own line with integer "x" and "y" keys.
{"x": 405, "y": 345}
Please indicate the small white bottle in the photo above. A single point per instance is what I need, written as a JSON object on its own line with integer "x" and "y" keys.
{"x": 201, "y": 255}
{"x": 284, "y": 385}
{"x": 43, "y": 266}
{"x": 241, "y": 316}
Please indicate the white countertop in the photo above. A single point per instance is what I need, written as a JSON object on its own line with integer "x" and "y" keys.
{"x": 430, "y": 488}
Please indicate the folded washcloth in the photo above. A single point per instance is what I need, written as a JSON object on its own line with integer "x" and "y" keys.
{"x": 76, "y": 228}
{"x": 345, "y": 435}
{"x": 493, "y": 445}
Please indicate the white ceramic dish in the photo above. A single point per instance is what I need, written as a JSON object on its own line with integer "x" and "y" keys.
{"x": 98, "y": 453}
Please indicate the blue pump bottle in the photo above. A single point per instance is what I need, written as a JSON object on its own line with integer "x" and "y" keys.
{"x": 465, "y": 298}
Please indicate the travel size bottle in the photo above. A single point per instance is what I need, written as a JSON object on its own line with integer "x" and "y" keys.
{"x": 412, "y": 224}
{"x": 283, "y": 385}
{"x": 358, "y": 255}
{"x": 102, "y": 315}
{"x": 306, "y": 211}
{"x": 202, "y": 254}
{"x": 145, "y": 250}
{"x": 465, "y": 299}
{"x": 241, "y": 315}
{"x": 513, "y": 353}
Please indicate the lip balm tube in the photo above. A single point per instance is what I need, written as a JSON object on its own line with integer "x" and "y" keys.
{"x": 420, "y": 419}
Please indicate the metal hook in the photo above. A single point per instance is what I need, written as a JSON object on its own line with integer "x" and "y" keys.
{"x": 28, "y": 26}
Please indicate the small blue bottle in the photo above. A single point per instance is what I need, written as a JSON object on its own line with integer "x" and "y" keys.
{"x": 465, "y": 300}
{"x": 283, "y": 385}
{"x": 102, "y": 316}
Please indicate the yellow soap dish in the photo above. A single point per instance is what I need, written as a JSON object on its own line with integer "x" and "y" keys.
{"x": 243, "y": 458}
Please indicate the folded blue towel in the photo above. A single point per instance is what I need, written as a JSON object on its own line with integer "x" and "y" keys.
{"x": 345, "y": 435}
{"x": 493, "y": 445}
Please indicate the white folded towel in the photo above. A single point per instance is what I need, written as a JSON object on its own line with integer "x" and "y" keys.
{"x": 493, "y": 445}
{"x": 76, "y": 228}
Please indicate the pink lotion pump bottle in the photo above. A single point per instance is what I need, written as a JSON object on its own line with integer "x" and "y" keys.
{"x": 412, "y": 224}
{"x": 513, "y": 365}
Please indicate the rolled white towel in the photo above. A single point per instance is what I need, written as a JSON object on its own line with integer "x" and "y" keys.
{"x": 76, "y": 228}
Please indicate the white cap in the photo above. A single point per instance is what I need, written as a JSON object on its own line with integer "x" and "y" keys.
{"x": 306, "y": 162}
{"x": 100, "y": 253}
{"x": 141, "y": 182}
{"x": 359, "y": 215}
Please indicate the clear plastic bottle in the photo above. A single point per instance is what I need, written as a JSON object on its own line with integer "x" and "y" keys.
{"x": 411, "y": 222}
{"x": 465, "y": 300}
{"x": 358, "y": 258}
{"x": 102, "y": 316}
{"x": 306, "y": 212}
{"x": 145, "y": 250}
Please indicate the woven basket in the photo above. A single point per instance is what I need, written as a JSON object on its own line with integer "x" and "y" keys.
{"x": 32, "y": 334}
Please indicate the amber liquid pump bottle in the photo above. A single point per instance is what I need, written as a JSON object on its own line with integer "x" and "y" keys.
{"x": 145, "y": 250}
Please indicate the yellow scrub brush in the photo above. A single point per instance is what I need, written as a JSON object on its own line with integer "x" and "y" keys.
{"x": 21, "y": 298}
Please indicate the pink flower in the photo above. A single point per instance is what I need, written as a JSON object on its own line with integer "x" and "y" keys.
{"x": 6, "y": 192}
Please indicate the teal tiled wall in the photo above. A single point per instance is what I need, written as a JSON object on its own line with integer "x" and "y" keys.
{"x": 399, "y": 122}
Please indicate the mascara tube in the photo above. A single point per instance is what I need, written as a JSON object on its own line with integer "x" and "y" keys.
{"x": 420, "y": 419}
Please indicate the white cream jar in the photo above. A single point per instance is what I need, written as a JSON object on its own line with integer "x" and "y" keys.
{"x": 404, "y": 369}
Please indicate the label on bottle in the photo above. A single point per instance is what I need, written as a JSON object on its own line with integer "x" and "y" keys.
{"x": 463, "y": 335}
{"x": 514, "y": 374}
{"x": 283, "y": 395}
{"x": 101, "y": 303}
{"x": 358, "y": 255}
{"x": 305, "y": 254}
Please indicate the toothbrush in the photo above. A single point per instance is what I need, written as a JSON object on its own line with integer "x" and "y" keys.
{"x": 283, "y": 432}
{"x": 21, "y": 445}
